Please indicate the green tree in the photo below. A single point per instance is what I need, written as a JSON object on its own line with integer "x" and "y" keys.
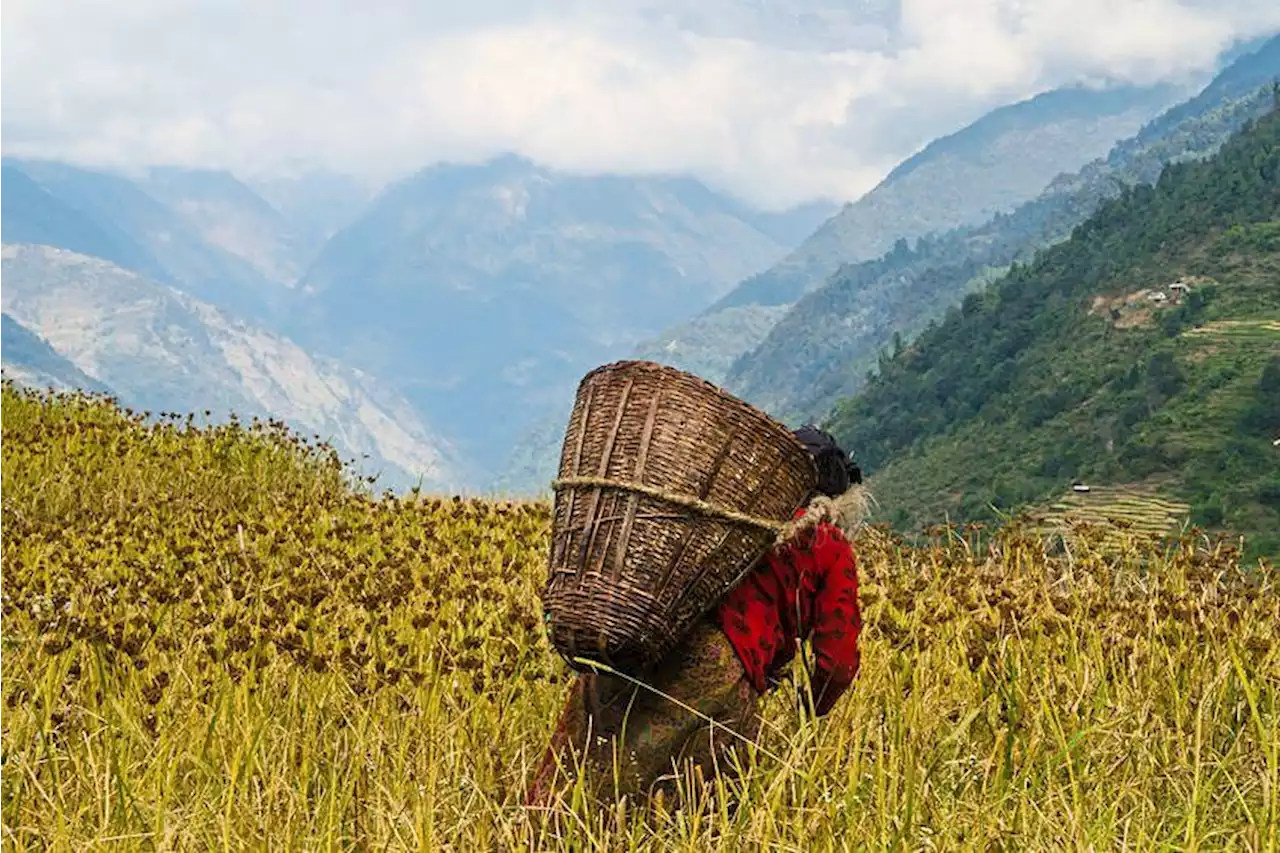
{"x": 1263, "y": 413}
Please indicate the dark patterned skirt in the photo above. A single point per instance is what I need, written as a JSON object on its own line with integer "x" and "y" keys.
{"x": 632, "y": 741}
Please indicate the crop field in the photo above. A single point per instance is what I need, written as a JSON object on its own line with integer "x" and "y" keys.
{"x": 1263, "y": 332}
{"x": 1114, "y": 515}
{"x": 213, "y": 640}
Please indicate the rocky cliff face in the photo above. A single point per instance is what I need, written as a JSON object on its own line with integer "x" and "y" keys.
{"x": 28, "y": 360}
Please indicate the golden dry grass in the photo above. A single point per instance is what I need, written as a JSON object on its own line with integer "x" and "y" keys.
{"x": 211, "y": 641}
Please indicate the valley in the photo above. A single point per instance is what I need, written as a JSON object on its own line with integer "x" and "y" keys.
{"x": 435, "y": 327}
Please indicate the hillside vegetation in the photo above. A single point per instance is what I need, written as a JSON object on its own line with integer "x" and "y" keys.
{"x": 1070, "y": 368}
{"x": 821, "y": 350}
{"x": 999, "y": 161}
{"x": 213, "y": 639}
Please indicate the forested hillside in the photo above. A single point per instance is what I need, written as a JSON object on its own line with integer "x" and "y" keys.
{"x": 1144, "y": 349}
{"x": 821, "y": 350}
{"x": 999, "y": 161}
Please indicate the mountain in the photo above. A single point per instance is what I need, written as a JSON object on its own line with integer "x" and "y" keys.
{"x": 1253, "y": 65}
{"x": 227, "y": 214}
{"x": 822, "y": 348}
{"x": 1142, "y": 352}
{"x": 788, "y": 228}
{"x": 990, "y": 166}
{"x": 31, "y": 214}
{"x": 164, "y": 350}
{"x": 176, "y": 252}
{"x": 29, "y": 360}
{"x": 315, "y": 202}
{"x": 485, "y": 291}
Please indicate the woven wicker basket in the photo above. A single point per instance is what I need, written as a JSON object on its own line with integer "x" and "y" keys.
{"x": 669, "y": 490}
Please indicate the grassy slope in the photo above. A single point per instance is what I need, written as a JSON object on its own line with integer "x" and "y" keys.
{"x": 211, "y": 641}
{"x": 1025, "y": 388}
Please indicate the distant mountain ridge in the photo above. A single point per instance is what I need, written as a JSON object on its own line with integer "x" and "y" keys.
{"x": 228, "y": 214}
{"x": 28, "y": 360}
{"x": 1143, "y": 351}
{"x": 1000, "y": 160}
{"x": 177, "y": 251}
{"x": 964, "y": 178}
{"x": 822, "y": 348}
{"x": 485, "y": 291}
{"x": 317, "y": 203}
{"x": 162, "y": 286}
{"x": 163, "y": 350}
{"x": 32, "y": 214}
{"x": 1252, "y": 65}
{"x": 538, "y": 276}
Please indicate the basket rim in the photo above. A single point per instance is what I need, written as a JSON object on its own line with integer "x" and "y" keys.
{"x": 716, "y": 390}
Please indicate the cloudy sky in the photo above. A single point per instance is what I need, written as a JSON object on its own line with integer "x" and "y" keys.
{"x": 776, "y": 101}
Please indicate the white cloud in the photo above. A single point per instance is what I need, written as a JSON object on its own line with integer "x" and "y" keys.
{"x": 777, "y": 102}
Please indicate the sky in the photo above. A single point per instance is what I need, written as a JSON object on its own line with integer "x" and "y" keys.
{"x": 775, "y": 102}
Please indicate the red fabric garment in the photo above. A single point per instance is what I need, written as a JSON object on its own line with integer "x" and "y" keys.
{"x": 806, "y": 588}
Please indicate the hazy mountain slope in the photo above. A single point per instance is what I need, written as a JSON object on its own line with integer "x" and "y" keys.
{"x": 33, "y": 215}
{"x": 788, "y": 228}
{"x": 204, "y": 270}
{"x": 821, "y": 350}
{"x": 29, "y": 360}
{"x": 1251, "y": 67}
{"x": 316, "y": 203}
{"x": 1004, "y": 158}
{"x": 486, "y": 291}
{"x": 229, "y": 215}
{"x": 164, "y": 350}
{"x": 1068, "y": 368}
{"x": 532, "y": 465}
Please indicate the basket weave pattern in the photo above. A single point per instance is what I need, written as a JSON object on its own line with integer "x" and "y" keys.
{"x": 669, "y": 490}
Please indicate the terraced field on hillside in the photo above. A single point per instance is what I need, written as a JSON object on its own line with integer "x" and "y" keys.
{"x": 1115, "y": 512}
{"x": 1250, "y": 331}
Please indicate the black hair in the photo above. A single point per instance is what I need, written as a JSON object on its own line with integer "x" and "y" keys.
{"x": 836, "y": 471}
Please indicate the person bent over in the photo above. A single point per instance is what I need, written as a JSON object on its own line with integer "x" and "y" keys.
{"x": 636, "y": 740}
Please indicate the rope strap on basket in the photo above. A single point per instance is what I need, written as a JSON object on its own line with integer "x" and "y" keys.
{"x": 848, "y": 511}
{"x": 700, "y": 506}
